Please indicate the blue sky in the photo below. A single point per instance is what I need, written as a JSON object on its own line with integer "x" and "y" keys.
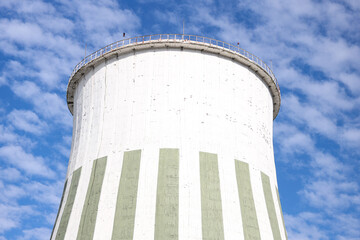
{"x": 314, "y": 47}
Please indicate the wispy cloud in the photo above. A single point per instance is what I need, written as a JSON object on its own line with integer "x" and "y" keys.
{"x": 36, "y": 233}
{"x": 302, "y": 227}
{"x": 11, "y": 215}
{"x": 27, "y": 121}
{"x": 32, "y": 165}
{"x": 11, "y": 193}
{"x": 10, "y": 174}
{"x": 49, "y": 105}
{"x": 44, "y": 192}
{"x": 104, "y": 21}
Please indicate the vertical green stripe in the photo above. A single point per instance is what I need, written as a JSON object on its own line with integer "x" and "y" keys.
{"x": 126, "y": 199}
{"x": 167, "y": 197}
{"x": 211, "y": 210}
{"x": 247, "y": 205}
{"x": 57, "y": 215}
{"x": 282, "y": 216}
{"x": 89, "y": 212}
{"x": 68, "y": 205}
{"x": 270, "y": 206}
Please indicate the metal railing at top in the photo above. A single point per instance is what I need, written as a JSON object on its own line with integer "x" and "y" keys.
{"x": 175, "y": 38}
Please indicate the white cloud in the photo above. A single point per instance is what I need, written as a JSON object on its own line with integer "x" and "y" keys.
{"x": 168, "y": 16}
{"x": 105, "y": 21}
{"x": 334, "y": 57}
{"x": 47, "y": 104}
{"x": 290, "y": 31}
{"x": 352, "y": 136}
{"x": 331, "y": 196}
{"x": 301, "y": 227}
{"x": 328, "y": 166}
{"x": 354, "y": 4}
{"x": 327, "y": 95}
{"x": 63, "y": 149}
{"x": 309, "y": 115}
{"x": 351, "y": 80}
{"x": 310, "y": 226}
{"x": 67, "y": 140}
{"x": 349, "y": 225}
{"x": 8, "y": 136}
{"x": 26, "y": 7}
{"x": 11, "y": 215}
{"x": 27, "y": 121}
{"x": 292, "y": 140}
{"x": 36, "y": 233}
{"x": 28, "y": 34}
{"x": 44, "y": 192}
{"x": 10, "y": 193}
{"x": 56, "y": 24}
{"x": 43, "y": 38}
{"x": 49, "y": 53}
{"x": 32, "y": 165}
{"x": 10, "y": 174}
{"x": 12, "y": 71}
{"x": 26, "y": 89}
{"x": 2, "y": 81}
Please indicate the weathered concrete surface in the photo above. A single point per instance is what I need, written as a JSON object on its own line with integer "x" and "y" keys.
{"x": 173, "y": 98}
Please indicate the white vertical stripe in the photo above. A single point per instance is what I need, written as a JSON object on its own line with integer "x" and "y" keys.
{"x": 107, "y": 202}
{"x": 146, "y": 196}
{"x": 189, "y": 194}
{"x": 230, "y": 198}
{"x": 74, "y": 221}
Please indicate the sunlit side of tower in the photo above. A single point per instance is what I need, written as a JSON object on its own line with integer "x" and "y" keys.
{"x": 172, "y": 139}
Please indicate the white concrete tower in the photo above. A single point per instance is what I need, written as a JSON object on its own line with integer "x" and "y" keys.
{"x": 172, "y": 139}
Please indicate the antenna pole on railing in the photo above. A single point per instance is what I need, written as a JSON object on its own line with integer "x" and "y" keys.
{"x": 183, "y": 28}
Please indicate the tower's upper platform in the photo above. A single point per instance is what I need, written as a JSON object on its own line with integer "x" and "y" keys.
{"x": 177, "y": 41}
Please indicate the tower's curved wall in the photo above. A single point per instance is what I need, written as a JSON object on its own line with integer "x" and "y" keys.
{"x": 171, "y": 143}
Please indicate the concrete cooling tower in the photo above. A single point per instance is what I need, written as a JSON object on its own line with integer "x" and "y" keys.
{"x": 172, "y": 139}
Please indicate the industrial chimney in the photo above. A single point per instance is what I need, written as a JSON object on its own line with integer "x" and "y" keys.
{"x": 172, "y": 139}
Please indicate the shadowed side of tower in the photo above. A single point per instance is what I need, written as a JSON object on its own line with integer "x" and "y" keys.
{"x": 172, "y": 139}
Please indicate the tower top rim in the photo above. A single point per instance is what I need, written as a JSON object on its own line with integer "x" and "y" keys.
{"x": 177, "y": 41}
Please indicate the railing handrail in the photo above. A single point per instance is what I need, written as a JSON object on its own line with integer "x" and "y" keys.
{"x": 175, "y": 37}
